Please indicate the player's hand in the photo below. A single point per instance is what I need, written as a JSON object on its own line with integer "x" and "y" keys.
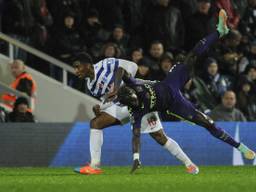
{"x": 136, "y": 165}
{"x": 96, "y": 110}
{"x": 110, "y": 96}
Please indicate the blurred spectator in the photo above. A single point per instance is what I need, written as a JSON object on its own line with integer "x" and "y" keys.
{"x": 226, "y": 111}
{"x": 248, "y": 22}
{"x": 20, "y": 112}
{"x": 58, "y": 8}
{"x": 247, "y": 101}
{"x": 187, "y": 7}
{"x": 1, "y": 12}
{"x": 249, "y": 75}
{"x": 18, "y": 22}
{"x": 110, "y": 50}
{"x": 166, "y": 63}
{"x": 200, "y": 95}
{"x": 217, "y": 83}
{"x": 164, "y": 23}
{"x": 133, "y": 14}
{"x": 92, "y": 32}
{"x": 2, "y": 115}
{"x": 240, "y": 7}
{"x": 23, "y": 82}
{"x": 68, "y": 39}
{"x": 199, "y": 24}
{"x": 120, "y": 38}
{"x": 228, "y": 53}
{"x": 110, "y": 12}
{"x": 143, "y": 69}
{"x": 251, "y": 56}
{"x": 156, "y": 52}
{"x": 136, "y": 55}
{"x": 233, "y": 17}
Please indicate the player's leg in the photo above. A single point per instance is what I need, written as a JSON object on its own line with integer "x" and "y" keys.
{"x": 186, "y": 110}
{"x": 181, "y": 73}
{"x": 103, "y": 120}
{"x": 173, "y": 147}
{"x": 204, "y": 121}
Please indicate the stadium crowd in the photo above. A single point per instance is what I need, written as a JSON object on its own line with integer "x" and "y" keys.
{"x": 155, "y": 34}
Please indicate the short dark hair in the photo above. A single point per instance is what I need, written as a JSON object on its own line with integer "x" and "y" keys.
{"x": 81, "y": 59}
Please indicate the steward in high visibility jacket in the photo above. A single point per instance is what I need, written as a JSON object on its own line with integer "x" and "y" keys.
{"x": 23, "y": 83}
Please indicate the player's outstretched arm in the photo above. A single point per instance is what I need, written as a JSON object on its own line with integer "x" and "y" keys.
{"x": 136, "y": 148}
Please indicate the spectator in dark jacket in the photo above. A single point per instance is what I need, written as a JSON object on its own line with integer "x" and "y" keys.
{"x": 247, "y": 100}
{"x": 110, "y": 12}
{"x": 133, "y": 14}
{"x": 110, "y": 50}
{"x": 229, "y": 53}
{"x": 247, "y": 25}
{"x": 165, "y": 65}
{"x": 143, "y": 69}
{"x": 136, "y": 55}
{"x": 58, "y": 8}
{"x": 226, "y": 111}
{"x": 69, "y": 40}
{"x": 92, "y": 32}
{"x": 1, "y": 12}
{"x": 249, "y": 75}
{"x": 164, "y": 22}
{"x": 199, "y": 24}
{"x": 18, "y": 22}
{"x": 217, "y": 83}
{"x": 156, "y": 52}
{"x": 20, "y": 112}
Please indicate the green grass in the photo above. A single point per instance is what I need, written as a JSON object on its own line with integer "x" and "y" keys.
{"x": 148, "y": 179}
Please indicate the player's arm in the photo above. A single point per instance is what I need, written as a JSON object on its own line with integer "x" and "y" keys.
{"x": 125, "y": 67}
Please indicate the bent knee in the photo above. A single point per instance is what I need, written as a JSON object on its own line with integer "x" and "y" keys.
{"x": 96, "y": 124}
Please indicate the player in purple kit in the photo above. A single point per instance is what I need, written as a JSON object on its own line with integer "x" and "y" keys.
{"x": 166, "y": 96}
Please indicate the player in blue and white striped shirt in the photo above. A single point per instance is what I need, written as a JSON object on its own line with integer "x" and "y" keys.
{"x": 103, "y": 79}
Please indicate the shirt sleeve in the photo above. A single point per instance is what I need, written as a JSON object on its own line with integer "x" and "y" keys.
{"x": 128, "y": 66}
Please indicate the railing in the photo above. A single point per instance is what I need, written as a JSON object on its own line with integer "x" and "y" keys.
{"x": 6, "y": 89}
{"x": 13, "y": 42}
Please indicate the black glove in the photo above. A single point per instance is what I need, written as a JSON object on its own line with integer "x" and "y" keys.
{"x": 136, "y": 165}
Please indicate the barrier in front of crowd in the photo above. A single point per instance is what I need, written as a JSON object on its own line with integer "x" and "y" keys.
{"x": 57, "y": 144}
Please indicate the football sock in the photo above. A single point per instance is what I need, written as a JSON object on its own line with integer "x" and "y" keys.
{"x": 222, "y": 135}
{"x": 176, "y": 151}
{"x": 96, "y": 141}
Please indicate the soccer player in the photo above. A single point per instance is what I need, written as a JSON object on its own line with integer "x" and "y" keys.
{"x": 104, "y": 78}
{"x": 166, "y": 96}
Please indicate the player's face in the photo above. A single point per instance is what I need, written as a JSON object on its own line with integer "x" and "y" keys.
{"x": 128, "y": 97}
{"x": 81, "y": 71}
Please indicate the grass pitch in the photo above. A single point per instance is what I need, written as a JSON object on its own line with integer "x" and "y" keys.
{"x": 148, "y": 179}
